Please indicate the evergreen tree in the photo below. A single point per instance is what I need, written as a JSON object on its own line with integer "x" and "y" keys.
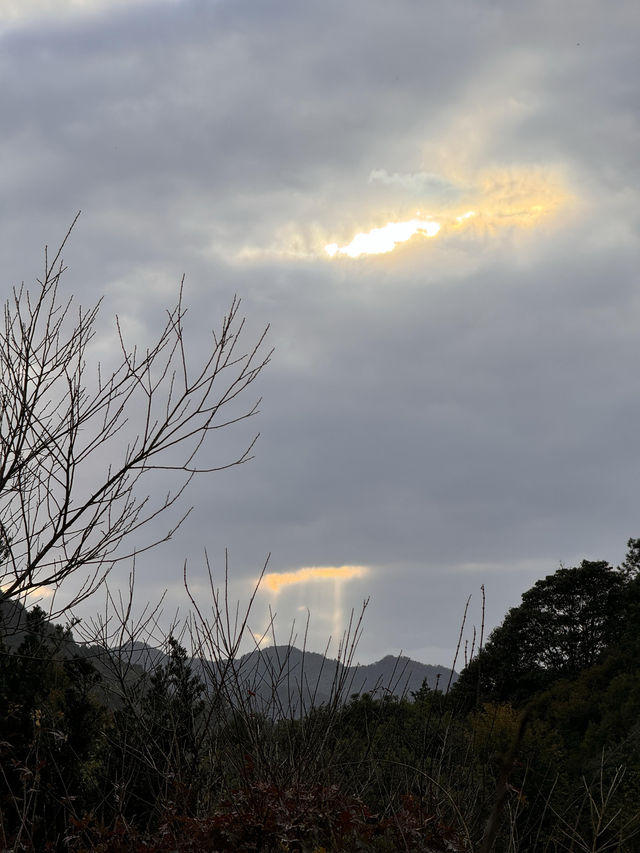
{"x": 563, "y": 625}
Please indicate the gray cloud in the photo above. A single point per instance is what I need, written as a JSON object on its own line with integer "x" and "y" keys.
{"x": 462, "y": 410}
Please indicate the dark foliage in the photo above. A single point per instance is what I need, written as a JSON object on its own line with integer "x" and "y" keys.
{"x": 51, "y": 728}
{"x": 536, "y": 748}
{"x": 564, "y": 625}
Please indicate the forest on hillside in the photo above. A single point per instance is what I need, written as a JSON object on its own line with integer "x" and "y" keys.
{"x": 535, "y": 747}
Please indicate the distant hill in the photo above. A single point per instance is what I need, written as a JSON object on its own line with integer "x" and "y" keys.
{"x": 275, "y": 680}
{"x": 13, "y": 622}
{"x": 403, "y": 675}
{"x": 287, "y": 677}
{"x": 58, "y": 643}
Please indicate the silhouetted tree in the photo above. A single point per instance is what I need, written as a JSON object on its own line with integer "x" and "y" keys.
{"x": 74, "y": 467}
{"x": 562, "y": 626}
{"x": 51, "y": 725}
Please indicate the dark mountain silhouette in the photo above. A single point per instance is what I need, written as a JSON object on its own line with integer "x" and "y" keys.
{"x": 287, "y": 677}
{"x": 276, "y": 680}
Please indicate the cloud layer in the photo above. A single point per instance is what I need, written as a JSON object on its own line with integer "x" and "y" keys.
{"x": 460, "y": 410}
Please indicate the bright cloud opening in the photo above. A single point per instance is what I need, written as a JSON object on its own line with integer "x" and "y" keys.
{"x": 333, "y": 579}
{"x": 276, "y": 581}
{"x": 381, "y": 240}
{"x": 497, "y": 199}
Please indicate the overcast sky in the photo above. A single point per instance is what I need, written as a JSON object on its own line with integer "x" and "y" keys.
{"x": 461, "y": 410}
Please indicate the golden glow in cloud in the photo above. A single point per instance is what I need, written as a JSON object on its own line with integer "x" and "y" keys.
{"x": 276, "y": 581}
{"x": 333, "y": 577}
{"x": 378, "y": 241}
{"x": 498, "y": 199}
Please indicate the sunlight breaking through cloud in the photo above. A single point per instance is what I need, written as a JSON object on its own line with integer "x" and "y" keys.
{"x": 332, "y": 578}
{"x": 276, "y": 581}
{"x": 497, "y": 199}
{"x": 381, "y": 240}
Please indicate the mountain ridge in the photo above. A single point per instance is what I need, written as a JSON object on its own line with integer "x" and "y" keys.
{"x": 277, "y": 678}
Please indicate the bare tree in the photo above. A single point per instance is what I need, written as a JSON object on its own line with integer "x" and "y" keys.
{"x": 76, "y": 448}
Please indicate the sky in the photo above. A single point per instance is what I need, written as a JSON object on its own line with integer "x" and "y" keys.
{"x": 434, "y": 206}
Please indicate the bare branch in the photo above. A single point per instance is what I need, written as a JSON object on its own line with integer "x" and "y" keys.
{"x": 77, "y": 451}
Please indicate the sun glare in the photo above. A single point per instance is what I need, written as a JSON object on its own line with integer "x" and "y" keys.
{"x": 378, "y": 241}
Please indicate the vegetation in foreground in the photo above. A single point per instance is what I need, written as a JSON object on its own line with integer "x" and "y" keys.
{"x": 536, "y": 746}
